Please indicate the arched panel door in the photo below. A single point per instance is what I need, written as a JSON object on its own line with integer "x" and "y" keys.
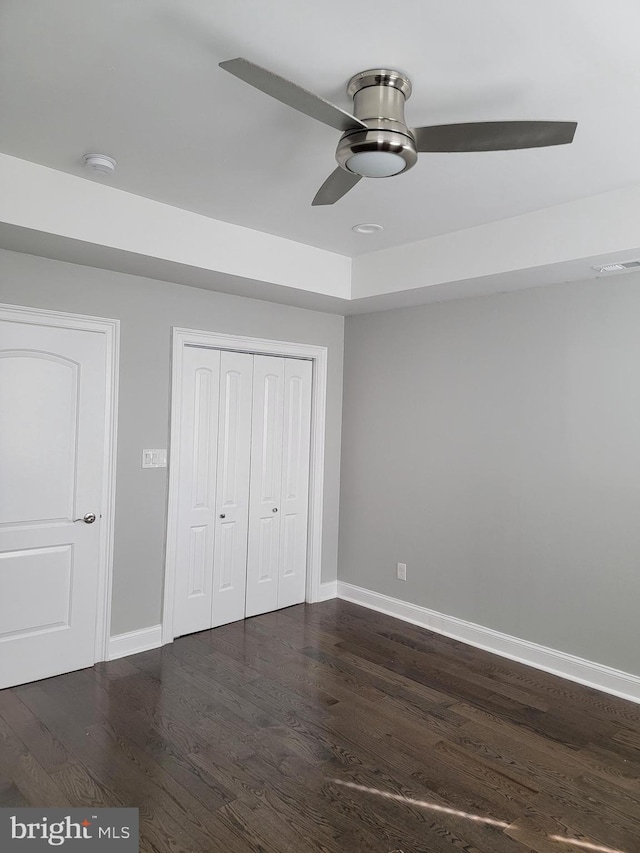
{"x": 52, "y": 404}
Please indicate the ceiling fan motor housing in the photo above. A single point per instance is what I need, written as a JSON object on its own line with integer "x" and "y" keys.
{"x": 379, "y": 97}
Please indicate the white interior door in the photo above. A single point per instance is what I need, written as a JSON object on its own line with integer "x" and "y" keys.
{"x": 265, "y": 486}
{"x": 232, "y": 491}
{"x": 196, "y": 490}
{"x": 294, "y": 493}
{"x": 52, "y": 443}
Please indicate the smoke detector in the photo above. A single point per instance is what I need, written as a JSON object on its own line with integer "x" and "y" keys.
{"x": 617, "y": 267}
{"x": 100, "y": 163}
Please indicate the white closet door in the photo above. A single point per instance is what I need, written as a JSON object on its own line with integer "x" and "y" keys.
{"x": 196, "y": 490}
{"x": 232, "y": 492}
{"x": 266, "y": 480}
{"x": 294, "y": 501}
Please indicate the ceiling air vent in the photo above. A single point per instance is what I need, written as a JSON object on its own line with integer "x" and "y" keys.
{"x": 626, "y": 265}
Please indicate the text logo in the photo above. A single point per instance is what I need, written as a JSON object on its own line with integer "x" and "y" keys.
{"x": 26, "y": 830}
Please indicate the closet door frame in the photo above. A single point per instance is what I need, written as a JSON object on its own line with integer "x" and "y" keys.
{"x": 256, "y": 346}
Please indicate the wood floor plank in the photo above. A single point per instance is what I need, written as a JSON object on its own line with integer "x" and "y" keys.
{"x": 325, "y": 729}
{"x": 540, "y": 832}
{"x": 12, "y": 797}
{"x": 26, "y": 773}
{"x": 590, "y": 820}
{"x": 39, "y": 741}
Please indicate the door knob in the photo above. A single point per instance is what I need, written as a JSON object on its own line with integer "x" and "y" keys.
{"x": 88, "y": 518}
{"x": 275, "y": 509}
{"x": 223, "y": 515}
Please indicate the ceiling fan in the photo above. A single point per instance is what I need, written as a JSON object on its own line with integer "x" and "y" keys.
{"x": 375, "y": 141}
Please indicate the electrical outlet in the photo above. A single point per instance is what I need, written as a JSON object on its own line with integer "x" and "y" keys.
{"x": 154, "y": 458}
{"x": 401, "y": 572}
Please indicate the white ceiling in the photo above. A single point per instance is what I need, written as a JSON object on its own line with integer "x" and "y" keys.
{"x": 139, "y": 81}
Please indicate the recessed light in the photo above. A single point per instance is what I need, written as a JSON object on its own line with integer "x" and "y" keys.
{"x": 617, "y": 266}
{"x": 367, "y": 228}
{"x": 100, "y": 163}
{"x": 608, "y": 268}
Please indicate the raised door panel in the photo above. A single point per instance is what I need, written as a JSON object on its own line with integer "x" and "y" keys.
{"x": 232, "y": 498}
{"x": 52, "y": 446}
{"x": 38, "y": 437}
{"x": 47, "y": 570}
{"x": 196, "y": 490}
{"x": 294, "y": 501}
{"x": 265, "y": 485}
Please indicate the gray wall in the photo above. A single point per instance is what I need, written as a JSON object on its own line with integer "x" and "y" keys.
{"x": 147, "y": 310}
{"x": 493, "y": 444}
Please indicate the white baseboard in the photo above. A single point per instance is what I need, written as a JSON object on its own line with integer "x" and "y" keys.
{"x": 596, "y": 675}
{"x": 134, "y": 642}
{"x": 328, "y": 590}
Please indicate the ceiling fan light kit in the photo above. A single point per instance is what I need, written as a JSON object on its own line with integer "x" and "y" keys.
{"x": 386, "y": 147}
{"x": 376, "y": 141}
{"x": 379, "y": 163}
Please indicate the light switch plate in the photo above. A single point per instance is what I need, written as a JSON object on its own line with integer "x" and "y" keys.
{"x": 154, "y": 458}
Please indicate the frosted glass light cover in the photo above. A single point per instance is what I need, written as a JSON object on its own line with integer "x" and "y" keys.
{"x": 376, "y": 164}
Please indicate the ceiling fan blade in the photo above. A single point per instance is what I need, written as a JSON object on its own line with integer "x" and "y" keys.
{"x": 493, "y": 135}
{"x": 337, "y": 184}
{"x": 291, "y": 94}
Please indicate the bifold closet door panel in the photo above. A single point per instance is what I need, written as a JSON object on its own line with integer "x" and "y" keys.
{"x": 294, "y": 500}
{"x": 243, "y": 485}
{"x": 232, "y": 489}
{"x": 196, "y": 490}
{"x": 265, "y": 485}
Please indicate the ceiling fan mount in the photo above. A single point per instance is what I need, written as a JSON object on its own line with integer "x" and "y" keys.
{"x": 386, "y": 147}
{"x": 376, "y": 141}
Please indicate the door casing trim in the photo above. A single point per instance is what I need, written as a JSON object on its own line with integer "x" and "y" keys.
{"x": 257, "y": 346}
{"x": 111, "y": 330}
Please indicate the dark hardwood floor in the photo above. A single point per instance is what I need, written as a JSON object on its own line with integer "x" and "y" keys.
{"x": 330, "y": 728}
